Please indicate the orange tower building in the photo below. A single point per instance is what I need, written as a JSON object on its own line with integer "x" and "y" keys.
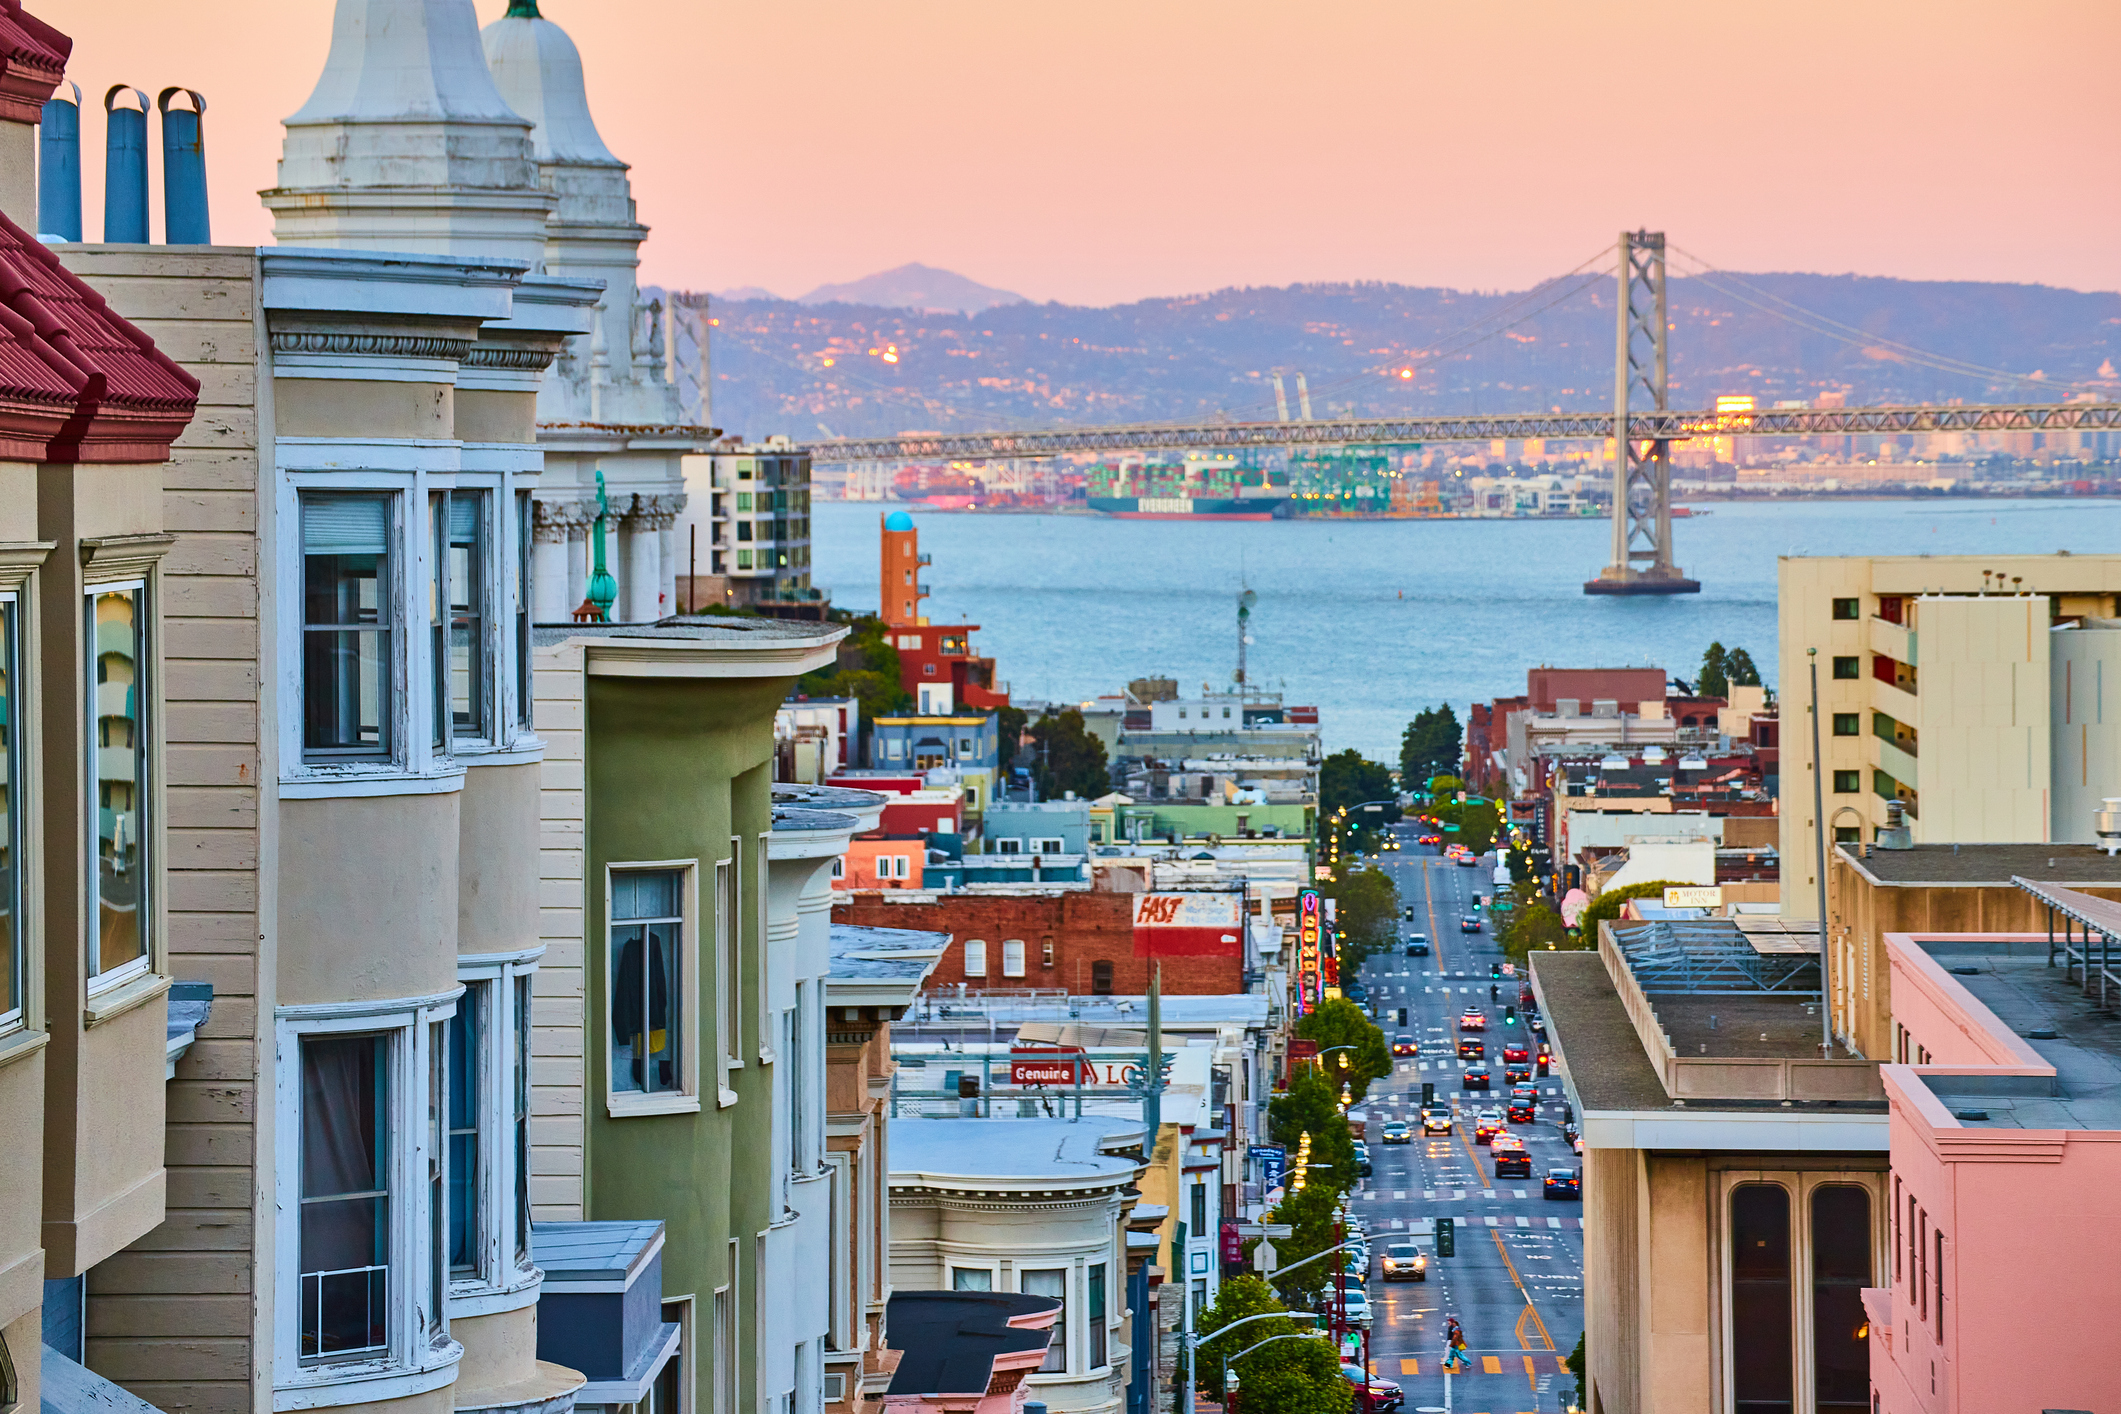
{"x": 899, "y": 598}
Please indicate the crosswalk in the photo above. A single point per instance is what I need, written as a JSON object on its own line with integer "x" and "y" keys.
{"x": 1542, "y": 1362}
{"x": 1497, "y": 1220}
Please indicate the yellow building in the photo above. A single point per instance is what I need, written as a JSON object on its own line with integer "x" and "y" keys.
{"x": 1969, "y": 688}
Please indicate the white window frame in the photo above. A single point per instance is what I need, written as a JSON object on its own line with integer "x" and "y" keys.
{"x": 1049, "y": 845}
{"x": 495, "y": 604}
{"x": 16, "y": 744}
{"x": 148, "y": 678}
{"x": 762, "y": 878}
{"x": 626, "y": 1104}
{"x": 1069, "y": 1305}
{"x": 1012, "y": 957}
{"x": 1009, "y": 845}
{"x": 504, "y": 1282}
{"x": 975, "y": 957}
{"x": 728, "y": 973}
{"x": 414, "y": 1362}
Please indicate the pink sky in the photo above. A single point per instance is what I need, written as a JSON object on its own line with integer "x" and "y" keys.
{"x": 1108, "y": 150}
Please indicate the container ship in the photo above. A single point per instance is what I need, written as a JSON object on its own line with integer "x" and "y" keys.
{"x": 1219, "y": 487}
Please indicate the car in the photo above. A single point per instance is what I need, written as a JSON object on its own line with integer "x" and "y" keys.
{"x": 1512, "y": 1160}
{"x": 1473, "y": 1019}
{"x": 1436, "y": 1121}
{"x": 1511, "y": 1074}
{"x": 1514, "y": 1052}
{"x": 1397, "y": 1131}
{"x": 1417, "y": 946}
{"x": 1405, "y": 1045}
{"x": 1577, "y": 1144}
{"x": 1384, "y": 1394}
{"x": 1408, "y": 913}
{"x": 1355, "y": 992}
{"x": 1469, "y": 924}
{"x": 1355, "y": 1301}
{"x": 1469, "y": 860}
{"x": 1404, "y": 1262}
{"x": 1521, "y": 1111}
{"x": 1362, "y": 1158}
{"x": 1472, "y": 1048}
{"x": 1476, "y": 1080}
{"x": 1538, "y": 1024}
{"x": 1562, "y": 1183}
{"x": 1488, "y": 1126}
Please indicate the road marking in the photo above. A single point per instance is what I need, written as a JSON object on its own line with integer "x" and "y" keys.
{"x": 1523, "y": 1221}
{"x": 1553, "y": 1222}
{"x": 1399, "y": 1195}
{"x": 1409, "y": 1367}
{"x": 1517, "y": 1192}
{"x": 1429, "y": 1193}
{"x": 1492, "y": 1364}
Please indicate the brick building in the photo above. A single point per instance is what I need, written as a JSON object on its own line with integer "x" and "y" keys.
{"x": 1084, "y": 942}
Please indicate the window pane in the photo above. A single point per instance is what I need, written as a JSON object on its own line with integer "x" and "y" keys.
{"x": 10, "y": 824}
{"x": 1052, "y": 1282}
{"x": 118, "y": 776}
{"x": 522, "y": 1118}
{"x": 1761, "y": 1378}
{"x": 345, "y": 1224}
{"x": 435, "y": 1317}
{"x": 1841, "y": 1268}
{"x": 1094, "y": 1314}
{"x": 466, "y": 1079}
{"x": 644, "y": 982}
{"x": 346, "y": 625}
{"x": 971, "y": 1279}
{"x": 464, "y": 559}
{"x": 524, "y": 549}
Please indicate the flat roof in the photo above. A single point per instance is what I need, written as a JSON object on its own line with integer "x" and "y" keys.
{"x": 884, "y": 954}
{"x": 1985, "y": 864}
{"x": 2014, "y": 981}
{"x": 700, "y": 630}
{"x": 1003, "y": 1151}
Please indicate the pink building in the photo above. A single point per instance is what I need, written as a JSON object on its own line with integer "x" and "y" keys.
{"x": 2005, "y": 1093}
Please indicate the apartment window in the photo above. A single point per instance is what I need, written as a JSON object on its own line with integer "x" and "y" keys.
{"x": 1848, "y": 724}
{"x": 1937, "y": 1280}
{"x": 519, "y": 1106}
{"x": 1052, "y": 1281}
{"x": 524, "y": 560}
{"x": 971, "y": 1279}
{"x": 467, "y": 1077}
{"x": 1848, "y": 834}
{"x": 1045, "y": 953}
{"x": 462, "y": 684}
{"x": 975, "y": 957}
{"x": 743, "y": 559}
{"x": 743, "y": 530}
{"x": 839, "y": 867}
{"x": 1848, "y": 782}
{"x": 1841, "y": 1268}
{"x": 1011, "y": 846}
{"x": 1199, "y": 1213}
{"x": 345, "y": 1203}
{"x": 1094, "y": 1315}
{"x": 724, "y": 1353}
{"x": 1848, "y": 669}
{"x": 12, "y": 981}
{"x": 1762, "y": 1378}
{"x": 1049, "y": 846}
{"x": 1848, "y": 608}
{"x": 646, "y": 1003}
{"x": 434, "y": 1318}
{"x": 1012, "y": 957}
{"x": 118, "y": 783}
{"x": 743, "y": 500}
{"x": 346, "y": 626}
{"x": 727, "y": 956}
{"x": 1101, "y": 978}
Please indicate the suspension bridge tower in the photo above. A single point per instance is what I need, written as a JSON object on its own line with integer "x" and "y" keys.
{"x": 1642, "y": 471}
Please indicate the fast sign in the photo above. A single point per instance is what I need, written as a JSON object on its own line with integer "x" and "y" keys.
{"x": 1188, "y": 925}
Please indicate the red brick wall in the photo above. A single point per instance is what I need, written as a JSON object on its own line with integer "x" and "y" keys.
{"x": 1626, "y": 686}
{"x": 1083, "y": 927}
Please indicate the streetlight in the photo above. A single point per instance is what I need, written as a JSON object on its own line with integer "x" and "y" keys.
{"x": 1313, "y": 1334}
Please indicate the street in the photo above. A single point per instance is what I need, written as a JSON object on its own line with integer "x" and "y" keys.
{"x": 1516, "y": 1281}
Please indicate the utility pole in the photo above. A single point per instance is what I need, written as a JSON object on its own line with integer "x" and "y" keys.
{"x": 1642, "y": 476}
{"x": 1245, "y": 601}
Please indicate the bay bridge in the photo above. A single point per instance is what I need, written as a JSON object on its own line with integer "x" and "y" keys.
{"x": 1641, "y": 560}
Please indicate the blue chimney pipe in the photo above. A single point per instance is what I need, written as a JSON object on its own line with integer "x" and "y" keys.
{"x": 184, "y": 218}
{"x": 59, "y": 168}
{"x": 125, "y": 169}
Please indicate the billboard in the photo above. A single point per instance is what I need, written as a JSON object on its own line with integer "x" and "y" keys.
{"x": 1308, "y": 935}
{"x": 1188, "y": 925}
{"x": 1044, "y": 1067}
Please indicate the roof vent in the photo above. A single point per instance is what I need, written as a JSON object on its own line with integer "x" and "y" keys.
{"x": 2043, "y": 1033}
{"x": 1894, "y": 833}
{"x": 1970, "y": 1114}
{"x": 2106, "y": 823}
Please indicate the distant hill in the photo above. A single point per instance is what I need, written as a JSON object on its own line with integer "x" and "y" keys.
{"x": 916, "y": 286}
{"x": 894, "y": 364}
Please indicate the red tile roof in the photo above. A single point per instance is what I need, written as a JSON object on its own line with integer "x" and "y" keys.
{"x": 78, "y": 383}
{"x": 32, "y": 61}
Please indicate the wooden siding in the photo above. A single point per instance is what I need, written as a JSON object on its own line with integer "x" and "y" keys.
{"x": 171, "y": 1318}
{"x": 558, "y": 1062}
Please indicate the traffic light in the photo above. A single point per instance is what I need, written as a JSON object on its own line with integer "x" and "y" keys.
{"x": 1495, "y": 969}
{"x": 1428, "y": 1094}
{"x": 1402, "y": 1016}
{"x": 1446, "y": 1237}
{"x": 1509, "y": 1016}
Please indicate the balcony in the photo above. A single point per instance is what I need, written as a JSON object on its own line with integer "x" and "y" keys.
{"x": 1891, "y": 640}
{"x": 1898, "y": 764}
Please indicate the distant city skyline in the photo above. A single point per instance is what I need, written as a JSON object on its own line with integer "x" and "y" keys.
{"x": 1103, "y": 153}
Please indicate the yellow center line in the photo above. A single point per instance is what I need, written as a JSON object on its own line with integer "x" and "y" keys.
{"x": 1529, "y": 1309}
{"x": 1467, "y": 1145}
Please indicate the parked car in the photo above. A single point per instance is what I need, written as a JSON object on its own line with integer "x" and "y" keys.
{"x": 1355, "y": 992}
{"x": 1404, "y": 1262}
{"x": 1362, "y": 1158}
{"x": 1405, "y": 1045}
{"x": 1436, "y": 1121}
{"x": 1384, "y": 1394}
{"x": 1356, "y": 1302}
{"x": 1472, "y": 1048}
{"x": 1514, "y": 1052}
{"x": 1397, "y": 1131}
{"x": 1478, "y": 1080}
{"x": 1512, "y": 1160}
{"x": 1520, "y": 1111}
{"x": 1469, "y": 924}
{"x": 1417, "y": 946}
{"x": 1562, "y": 1183}
{"x": 1489, "y": 1125}
{"x": 1473, "y": 1019}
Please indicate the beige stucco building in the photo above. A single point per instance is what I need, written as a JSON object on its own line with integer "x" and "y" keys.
{"x": 1967, "y": 687}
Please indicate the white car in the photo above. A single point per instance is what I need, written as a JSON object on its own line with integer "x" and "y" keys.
{"x": 1358, "y": 1304}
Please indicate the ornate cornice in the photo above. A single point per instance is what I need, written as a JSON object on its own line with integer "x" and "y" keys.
{"x": 296, "y": 341}
{"x": 509, "y": 358}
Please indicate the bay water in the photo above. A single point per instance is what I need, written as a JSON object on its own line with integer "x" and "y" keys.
{"x": 1373, "y": 620}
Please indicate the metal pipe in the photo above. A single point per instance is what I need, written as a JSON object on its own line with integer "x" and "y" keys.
{"x": 59, "y": 168}
{"x": 1826, "y": 995}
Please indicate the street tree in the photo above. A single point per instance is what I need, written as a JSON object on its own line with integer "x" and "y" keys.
{"x": 1288, "y": 1377}
{"x": 1009, "y": 723}
{"x": 1366, "y": 910}
{"x": 1311, "y": 1105}
{"x": 1339, "y": 1022}
{"x": 1346, "y": 779}
{"x": 1431, "y": 743}
{"x": 1607, "y": 905}
{"x": 1314, "y": 1218}
{"x": 1068, "y": 757}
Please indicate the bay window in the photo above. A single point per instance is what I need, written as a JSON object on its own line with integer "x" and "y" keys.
{"x": 346, "y": 1186}
{"x": 487, "y": 1136}
{"x": 1052, "y": 1281}
{"x": 459, "y": 616}
{"x": 1094, "y": 1314}
{"x": 647, "y": 983}
{"x": 118, "y": 782}
{"x": 524, "y": 695}
{"x": 347, "y": 667}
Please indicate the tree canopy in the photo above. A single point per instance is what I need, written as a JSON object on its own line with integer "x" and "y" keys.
{"x": 1009, "y": 733}
{"x": 1607, "y": 905}
{"x": 1068, "y": 758}
{"x": 1346, "y": 779}
{"x": 1430, "y": 744}
{"x": 1314, "y": 1213}
{"x": 1339, "y": 1022}
{"x": 1723, "y": 669}
{"x": 1311, "y": 1105}
{"x": 866, "y": 669}
{"x": 1287, "y": 1377}
{"x": 1366, "y": 911}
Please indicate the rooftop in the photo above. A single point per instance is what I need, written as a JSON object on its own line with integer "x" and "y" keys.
{"x": 2051, "y": 1015}
{"x": 1051, "y": 1153}
{"x": 1993, "y": 864}
{"x": 707, "y": 630}
{"x": 951, "y": 1339}
{"x": 884, "y": 954}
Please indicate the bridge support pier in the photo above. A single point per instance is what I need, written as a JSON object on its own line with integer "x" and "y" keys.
{"x": 1642, "y": 470}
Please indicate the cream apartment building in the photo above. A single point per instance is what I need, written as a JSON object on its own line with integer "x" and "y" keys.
{"x": 1973, "y": 689}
